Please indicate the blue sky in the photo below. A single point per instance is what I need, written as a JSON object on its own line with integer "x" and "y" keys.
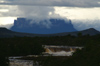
{"x": 83, "y": 13}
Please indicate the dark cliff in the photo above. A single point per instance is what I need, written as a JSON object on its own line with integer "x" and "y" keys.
{"x": 42, "y": 27}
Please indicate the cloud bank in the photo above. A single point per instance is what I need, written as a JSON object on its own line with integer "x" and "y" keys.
{"x": 81, "y": 12}
{"x": 37, "y": 13}
{"x": 85, "y": 24}
{"x": 72, "y": 3}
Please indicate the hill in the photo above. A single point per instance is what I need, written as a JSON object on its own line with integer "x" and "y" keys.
{"x": 90, "y": 31}
{"x": 4, "y": 32}
{"x": 8, "y": 33}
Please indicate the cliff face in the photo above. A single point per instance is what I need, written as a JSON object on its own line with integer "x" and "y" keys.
{"x": 42, "y": 27}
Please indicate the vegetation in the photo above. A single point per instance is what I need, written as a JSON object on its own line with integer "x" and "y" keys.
{"x": 89, "y": 56}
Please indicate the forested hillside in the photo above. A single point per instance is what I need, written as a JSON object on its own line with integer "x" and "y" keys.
{"x": 33, "y": 45}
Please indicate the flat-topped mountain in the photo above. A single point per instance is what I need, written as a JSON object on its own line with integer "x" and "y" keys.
{"x": 50, "y": 26}
{"x": 8, "y": 33}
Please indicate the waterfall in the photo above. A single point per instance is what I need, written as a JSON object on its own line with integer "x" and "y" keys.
{"x": 49, "y": 51}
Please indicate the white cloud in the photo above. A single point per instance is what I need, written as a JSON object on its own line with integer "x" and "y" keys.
{"x": 98, "y": 2}
{"x": 81, "y": 12}
{"x": 7, "y": 26}
{"x": 82, "y": 18}
{"x": 11, "y": 11}
{"x": 37, "y": 13}
{"x": 72, "y": 3}
{"x": 2, "y": 1}
{"x": 85, "y": 24}
{"x": 78, "y": 13}
{"x": 7, "y": 15}
{"x": 4, "y": 10}
{"x": 34, "y": 12}
{"x": 7, "y": 21}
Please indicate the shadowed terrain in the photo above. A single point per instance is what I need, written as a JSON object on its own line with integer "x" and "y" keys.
{"x": 42, "y": 27}
{"x": 8, "y": 33}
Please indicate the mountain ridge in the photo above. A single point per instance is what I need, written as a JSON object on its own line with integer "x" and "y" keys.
{"x": 4, "y": 32}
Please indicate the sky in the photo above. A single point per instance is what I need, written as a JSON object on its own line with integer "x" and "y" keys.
{"x": 83, "y": 13}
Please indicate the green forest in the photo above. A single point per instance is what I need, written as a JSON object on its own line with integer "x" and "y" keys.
{"x": 22, "y": 46}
